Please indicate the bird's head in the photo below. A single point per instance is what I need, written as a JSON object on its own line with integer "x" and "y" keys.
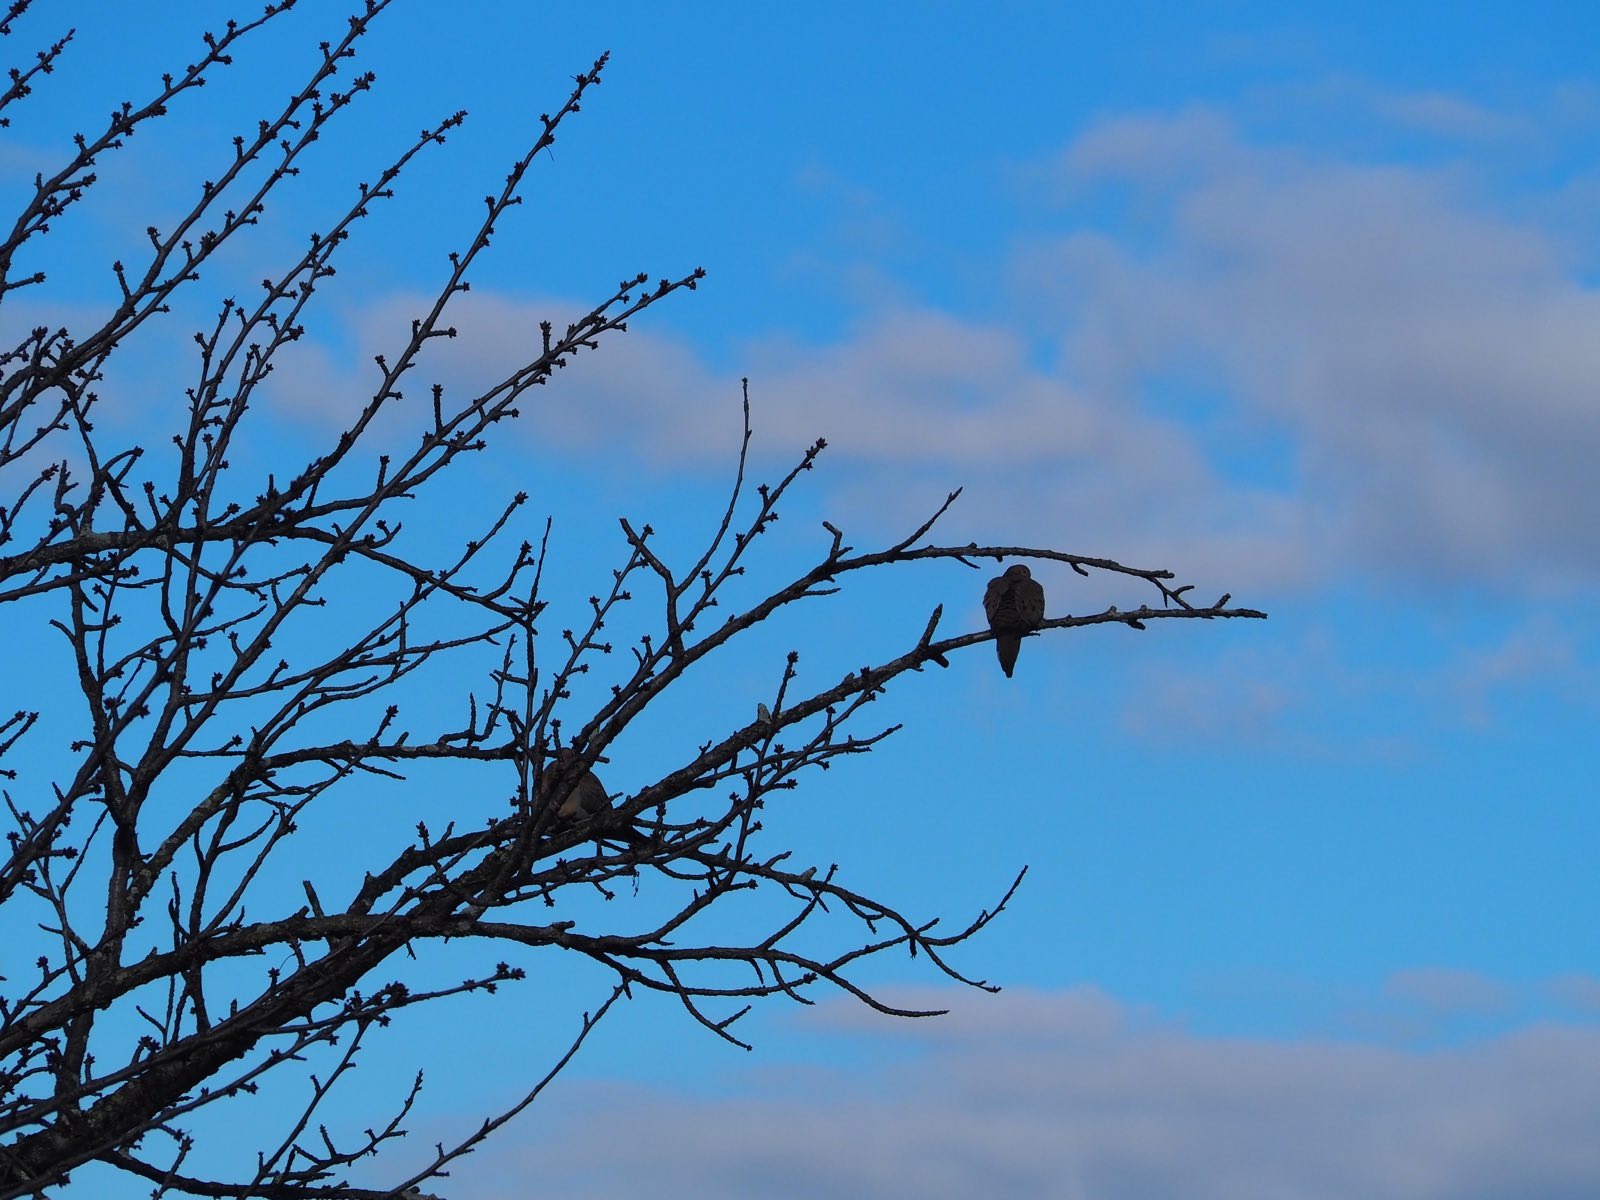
{"x": 1018, "y": 572}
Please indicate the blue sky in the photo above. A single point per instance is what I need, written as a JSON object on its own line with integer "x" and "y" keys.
{"x": 1299, "y": 301}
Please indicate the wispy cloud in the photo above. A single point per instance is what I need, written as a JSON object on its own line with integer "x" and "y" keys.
{"x": 1448, "y": 990}
{"x": 1538, "y": 652}
{"x": 1287, "y": 697}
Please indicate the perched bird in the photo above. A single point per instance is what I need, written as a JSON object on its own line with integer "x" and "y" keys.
{"x": 588, "y": 796}
{"x": 1014, "y": 603}
{"x": 587, "y": 799}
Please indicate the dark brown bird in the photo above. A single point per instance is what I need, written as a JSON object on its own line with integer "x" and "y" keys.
{"x": 587, "y": 799}
{"x": 1014, "y": 603}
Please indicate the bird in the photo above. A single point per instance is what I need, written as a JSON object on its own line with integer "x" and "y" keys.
{"x": 587, "y": 799}
{"x": 1014, "y": 604}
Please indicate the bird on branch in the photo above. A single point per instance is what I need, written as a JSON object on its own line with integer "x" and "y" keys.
{"x": 587, "y": 797}
{"x": 1014, "y": 604}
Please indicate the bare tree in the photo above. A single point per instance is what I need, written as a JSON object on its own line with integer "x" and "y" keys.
{"x": 210, "y": 713}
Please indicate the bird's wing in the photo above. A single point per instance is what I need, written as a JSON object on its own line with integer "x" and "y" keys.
{"x": 994, "y": 596}
{"x": 1030, "y": 601}
{"x": 592, "y": 795}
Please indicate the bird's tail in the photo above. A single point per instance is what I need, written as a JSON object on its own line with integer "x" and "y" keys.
{"x": 1006, "y": 646}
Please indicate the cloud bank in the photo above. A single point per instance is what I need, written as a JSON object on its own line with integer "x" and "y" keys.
{"x": 1073, "y": 1095}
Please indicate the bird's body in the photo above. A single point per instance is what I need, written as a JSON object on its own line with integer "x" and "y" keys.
{"x": 587, "y": 799}
{"x": 1014, "y": 604}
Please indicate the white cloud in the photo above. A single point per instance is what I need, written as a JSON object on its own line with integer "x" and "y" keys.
{"x": 1150, "y": 150}
{"x": 1295, "y": 694}
{"x": 1538, "y": 652}
{"x": 640, "y": 395}
{"x": 913, "y": 403}
{"x": 1443, "y": 114}
{"x": 1238, "y": 701}
{"x": 1066, "y": 1095}
{"x": 1448, "y": 990}
{"x": 1432, "y": 363}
